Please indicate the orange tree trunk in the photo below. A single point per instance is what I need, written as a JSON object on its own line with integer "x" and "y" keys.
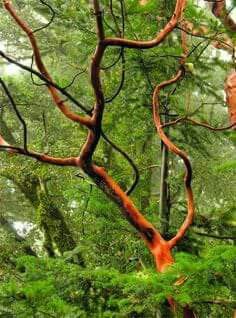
{"x": 160, "y": 248}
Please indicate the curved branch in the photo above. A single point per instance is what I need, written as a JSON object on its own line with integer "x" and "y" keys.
{"x": 86, "y": 121}
{"x": 18, "y": 114}
{"x": 93, "y": 137}
{"x": 194, "y": 122}
{"x": 160, "y": 37}
{"x": 117, "y": 60}
{"x": 173, "y": 148}
{"x": 219, "y": 10}
{"x": 58, "y": 161}
{"x": 83, "y": 108}
{"x": 46, "y": 80}
{"x": 122, "y": 79}
{"x": 130, "y": 161}
{"x": 74, "y": 78}
{"x": 51, "y": 19}
{"x": 148, "y": 232}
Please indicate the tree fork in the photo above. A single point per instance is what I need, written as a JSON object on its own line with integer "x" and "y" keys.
{"x": 158, "y": 246}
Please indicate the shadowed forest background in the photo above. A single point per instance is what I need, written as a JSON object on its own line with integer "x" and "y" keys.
{"x": 87, "y": 128}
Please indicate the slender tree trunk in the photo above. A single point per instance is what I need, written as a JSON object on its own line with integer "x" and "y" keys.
{"x": 51, "y": 219}
{"x": 54, "y": 225}
{"x": 145, "y": 198}
{"x": 164, "y": 207}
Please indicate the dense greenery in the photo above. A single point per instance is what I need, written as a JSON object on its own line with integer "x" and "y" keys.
{"x": 66, "y": 250}
{"x": 60, "y": 289}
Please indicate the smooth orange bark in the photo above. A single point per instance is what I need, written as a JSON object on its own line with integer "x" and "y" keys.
{"x": 160, "y": 248}
{"x": 230, "y": 90}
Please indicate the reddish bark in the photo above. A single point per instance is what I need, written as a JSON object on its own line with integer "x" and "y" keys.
{"x": 160, "y": 37}
{"x": 160, "y": 248}
{"x": 222, "y": 41}
{"x": 3, "y": 142}
{"x": 173, "y": 148}
{"x": 188, "y": 312}
{"x": 59, "y": 102}
{"x": 218, "y": 7}
{"x": 230, "y": 90}
{"x": 219, "y": 10}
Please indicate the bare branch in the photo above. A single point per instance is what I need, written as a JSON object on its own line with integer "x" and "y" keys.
{"x": 18, "y": 114}
{"x": 86, "y": 121}
{"x": 173, "y": 148}
{"x": 70, "y": 161}
{"x": 194, "y": 122}
{"x": 51, "y": 19}
{"x": 46, "y": 80}
{"x": 160, "y": 37}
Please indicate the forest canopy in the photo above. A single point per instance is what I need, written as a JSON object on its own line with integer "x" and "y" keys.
{"x": 117, "y": 158}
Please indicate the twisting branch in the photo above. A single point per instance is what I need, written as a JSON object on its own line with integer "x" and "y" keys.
{"x": 70, "y": 161}
{"x": 160, "y": 249}
{"x": 98, "y": 174}
{"x": 18, "y": 114}
{"x": 51, "y": 19}
{"x": 173, "y": 148}
{"x": 86, "y": 121}
{"x": 219, "y": 10}
{"x": 96, "y": 120}
{"x": 122, "y": 79}
{"x": 194, "y": 122}
{"x": 79, "y": 105}
{"x": 169, "y": 27}
{"x": 160, "y": 37}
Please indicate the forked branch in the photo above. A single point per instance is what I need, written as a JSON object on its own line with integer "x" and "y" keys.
{"x": 157, "y": 245}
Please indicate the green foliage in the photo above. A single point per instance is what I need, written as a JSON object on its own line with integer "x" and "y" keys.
{"x": 56, "y": 288}
{"x": 119, "y": 280}
{"x": 227, "y": 166}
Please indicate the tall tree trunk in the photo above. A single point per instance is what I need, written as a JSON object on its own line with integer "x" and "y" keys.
{"x": 51, "y": 219}
{"x": 164, "y": 207}
{"x": 145, "y": 198}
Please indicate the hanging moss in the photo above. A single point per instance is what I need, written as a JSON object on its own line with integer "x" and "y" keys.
{"x": 51, "y": 221}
